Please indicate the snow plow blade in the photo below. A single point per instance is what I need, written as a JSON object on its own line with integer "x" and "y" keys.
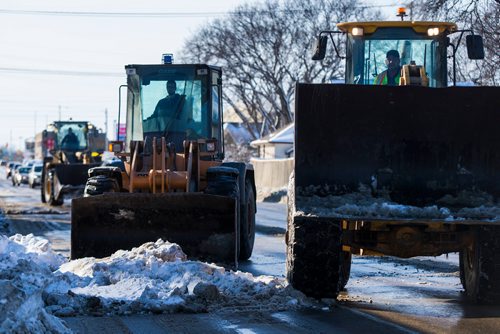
{"x": 413, "y": 144}
{"x": 205, "y": 226}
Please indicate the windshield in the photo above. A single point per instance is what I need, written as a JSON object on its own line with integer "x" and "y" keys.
{"x": 24, "y": 170}
{"x": 178, "y": 102}
{"x": 72, "y": 136}
{"x": 38, "y": 169}
{"x": 174, "y": 106}
{"x": 377, "y": 59}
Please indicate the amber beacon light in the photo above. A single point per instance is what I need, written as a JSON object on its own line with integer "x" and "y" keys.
{"x": 402, "y": 13}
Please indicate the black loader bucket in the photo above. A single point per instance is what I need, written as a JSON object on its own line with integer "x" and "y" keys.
{"x": 415, "y": 144}
{"x": 73, "y": 174}
{"x": 205, "y": 226}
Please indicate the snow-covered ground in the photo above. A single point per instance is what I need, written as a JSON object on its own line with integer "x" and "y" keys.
{"x": 37, "y": 286}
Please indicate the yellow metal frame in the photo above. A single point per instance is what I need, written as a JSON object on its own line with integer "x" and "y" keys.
{"x": 160, "y": 175}
{"x": 419, "y": 27}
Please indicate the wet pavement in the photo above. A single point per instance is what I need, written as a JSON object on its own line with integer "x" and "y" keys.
{"x": 384, "y": 295}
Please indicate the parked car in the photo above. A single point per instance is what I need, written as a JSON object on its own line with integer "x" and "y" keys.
{"x": 35, "y": 175}
{"x": 20, "y": 176}
{"x": 31, "y": 162}
{"x": 10, "y": 167}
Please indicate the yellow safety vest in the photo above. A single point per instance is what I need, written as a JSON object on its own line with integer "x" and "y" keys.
{"x": 381, "y": 79}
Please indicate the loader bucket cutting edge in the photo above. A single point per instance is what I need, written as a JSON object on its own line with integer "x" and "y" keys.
{"x": 205, "y": 226}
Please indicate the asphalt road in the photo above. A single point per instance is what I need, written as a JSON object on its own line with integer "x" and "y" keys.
{"x": 384, "y": 295}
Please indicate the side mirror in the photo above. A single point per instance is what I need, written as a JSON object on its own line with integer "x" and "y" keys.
{"x": 320, "y": 48}
{"x": 475, "y": 48}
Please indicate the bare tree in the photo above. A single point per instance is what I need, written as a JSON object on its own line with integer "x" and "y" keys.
{"x": 266, "y": 48}
{"x": 482, "y": 16}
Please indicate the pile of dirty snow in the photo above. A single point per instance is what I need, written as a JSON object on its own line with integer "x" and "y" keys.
{"x": 362, "y": 205}
{"x": 26, "y": 266}
{"x": 155, "y": 277}
{"x": 358, "y": 205}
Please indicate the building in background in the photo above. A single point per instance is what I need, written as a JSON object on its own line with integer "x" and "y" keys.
{"x": 277, "y": 145}
{"x": 274, "y": 164}
{"x": 238, "y": 136}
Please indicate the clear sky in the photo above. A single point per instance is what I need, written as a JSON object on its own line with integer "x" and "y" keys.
{"x": 56, "y": 63}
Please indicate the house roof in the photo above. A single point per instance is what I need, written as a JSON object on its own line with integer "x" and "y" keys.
{"x": 282, "y": 136}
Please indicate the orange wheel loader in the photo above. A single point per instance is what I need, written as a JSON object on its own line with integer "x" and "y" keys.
{"x": 171, "y": 181}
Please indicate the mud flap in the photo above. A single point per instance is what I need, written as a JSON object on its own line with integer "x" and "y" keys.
{"x": 205, "y": 226}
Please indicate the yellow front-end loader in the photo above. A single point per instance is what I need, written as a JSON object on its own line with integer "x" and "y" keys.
{"x": 400, "y": 166}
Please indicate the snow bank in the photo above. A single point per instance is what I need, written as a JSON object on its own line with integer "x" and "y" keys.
{"x": 156, "y": 277}
{"x": 36, "y": 284}
{"x": 26, "y": 265}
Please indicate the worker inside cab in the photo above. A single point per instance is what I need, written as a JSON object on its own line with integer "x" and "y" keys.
{"x": 171, "y": 105}
{"x": 390, "y": 77}
{"x": 172, "y": 116}
{"x": 70, "y": 141}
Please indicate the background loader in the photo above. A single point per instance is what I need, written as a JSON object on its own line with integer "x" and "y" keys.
{"x": 74, "y": 147}
{"x": 173, "y": 184}
{"x": 407, "y": 170}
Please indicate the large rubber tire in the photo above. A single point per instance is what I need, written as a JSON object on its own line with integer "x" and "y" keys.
{"x": 42, "y": 186}
{"x": 314, "y": 256}
{"x": 247, "y": 225}
{"x": 48, "y": 189}
{"x": 480, "y": 265}
{"x": 223, "y": 181}
{"x": 345, "y": 269}
{"x": 462, "y": 269}
{"x": 100, "y": 184}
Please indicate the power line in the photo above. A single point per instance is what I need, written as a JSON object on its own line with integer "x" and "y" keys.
{"x": 60, "y": 72}
{"x": 156, "y": 14}
{"x": 111, "y": 14}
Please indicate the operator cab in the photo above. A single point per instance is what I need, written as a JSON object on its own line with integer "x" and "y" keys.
{"x": 421, "y": 46}
{"x": 178, "y": 102}
{"x": 419, "y": 43}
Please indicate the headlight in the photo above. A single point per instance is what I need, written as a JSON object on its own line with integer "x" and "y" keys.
{"x": 210, "y": 147}
{"x": 433, "y": 31}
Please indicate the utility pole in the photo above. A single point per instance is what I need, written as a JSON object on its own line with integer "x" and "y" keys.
{"x": 106, "y": 121}
{"x": 10, "y": 144}
{"x": 59, "y": 113}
